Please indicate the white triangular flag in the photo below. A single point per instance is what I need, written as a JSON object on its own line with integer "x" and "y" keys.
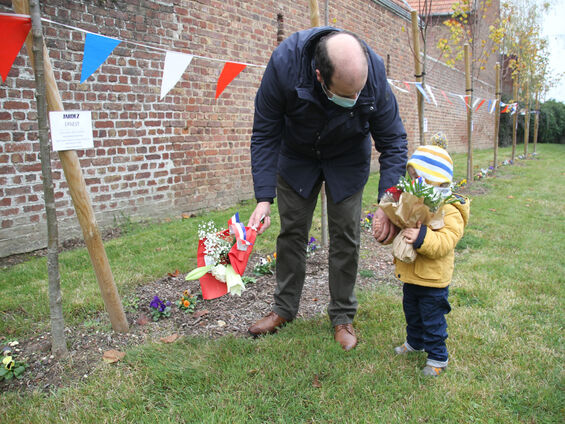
{"x": 175, "y": 65}
{"x": 429, "y": 90}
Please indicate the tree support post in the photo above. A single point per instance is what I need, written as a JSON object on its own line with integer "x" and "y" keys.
{"x": 418, "y": 73}
{"x": 469, "y": 93}
{"x": 496, "y": 116}
{"x": 80, "y": 197}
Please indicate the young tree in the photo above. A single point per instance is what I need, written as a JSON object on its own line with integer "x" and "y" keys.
{"x": 528, "y": 50}
{"x": 58, "y": 342}
{"x": 475, "y": 23}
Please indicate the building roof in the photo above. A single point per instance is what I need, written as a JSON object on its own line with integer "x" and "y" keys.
{"x": 438, "y": 7}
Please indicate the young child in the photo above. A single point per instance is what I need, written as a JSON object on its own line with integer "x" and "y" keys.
{"x": 427, "y": 279}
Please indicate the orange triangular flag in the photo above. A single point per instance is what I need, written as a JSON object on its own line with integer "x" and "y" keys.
{"x": 13, "y": 32}
{"x": 229, "y": 72}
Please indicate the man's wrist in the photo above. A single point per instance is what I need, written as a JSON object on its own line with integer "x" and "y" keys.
{"x": 265, "y": 199}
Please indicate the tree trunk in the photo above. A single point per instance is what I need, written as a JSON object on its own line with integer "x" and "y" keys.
{"x": 58, "y": 343}
{"x": 469, "y": 92}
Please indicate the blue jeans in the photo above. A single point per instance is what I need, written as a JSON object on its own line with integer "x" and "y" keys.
{"x": 426, "y": 328}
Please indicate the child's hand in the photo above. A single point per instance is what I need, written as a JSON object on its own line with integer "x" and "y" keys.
{"x": 411, "y": 234}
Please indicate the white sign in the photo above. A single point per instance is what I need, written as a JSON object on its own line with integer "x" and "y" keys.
{"x": 71, "y": 130}
{"x": 425, "y": 125}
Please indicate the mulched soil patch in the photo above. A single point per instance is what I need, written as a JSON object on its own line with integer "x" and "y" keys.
{"x": 213, "y": 318}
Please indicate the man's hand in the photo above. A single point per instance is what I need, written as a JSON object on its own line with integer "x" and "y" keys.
{"x": 262, "y": 212}
{"x": 383, "y": 230}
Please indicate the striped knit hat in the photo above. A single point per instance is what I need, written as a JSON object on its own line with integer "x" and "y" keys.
{"x": 433, "y": 164}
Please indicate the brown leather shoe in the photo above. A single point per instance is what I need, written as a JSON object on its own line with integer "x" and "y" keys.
{"x": 345, "y": 336}
{"x": 267, "y": 325}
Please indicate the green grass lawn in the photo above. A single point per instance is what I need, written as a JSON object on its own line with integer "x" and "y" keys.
{"x": 506, "y": 337}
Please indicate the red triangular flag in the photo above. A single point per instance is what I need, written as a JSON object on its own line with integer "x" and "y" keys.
{"x": 239, "y": 258}
{"x": 13, "y": 32}
{"x": 229, "y": 72}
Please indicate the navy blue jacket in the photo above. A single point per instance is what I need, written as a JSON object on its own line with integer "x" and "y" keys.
{"x": 301, "y": 135}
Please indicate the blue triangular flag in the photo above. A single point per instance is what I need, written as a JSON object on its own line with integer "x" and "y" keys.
{"x": 96, "y": 49}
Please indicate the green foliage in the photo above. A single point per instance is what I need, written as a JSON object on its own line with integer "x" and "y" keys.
{"x": 187, "y": 302}
{"x": 366, "y": 273}
{"x": 10, "y": 366}
{"x": 266, "y": 266}
{"x": 551, "y": 123}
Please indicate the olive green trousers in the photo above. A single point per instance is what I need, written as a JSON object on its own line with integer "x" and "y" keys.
{"x": 344, "y": 231}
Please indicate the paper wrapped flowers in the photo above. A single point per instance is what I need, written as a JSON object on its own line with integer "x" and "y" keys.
{"x": 222, "y": 257}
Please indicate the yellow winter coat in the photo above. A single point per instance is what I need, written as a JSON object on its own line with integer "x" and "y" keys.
{"x": 433, "y": 266}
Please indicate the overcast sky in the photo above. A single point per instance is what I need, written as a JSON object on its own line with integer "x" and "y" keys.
{"x": 554, "y": 31}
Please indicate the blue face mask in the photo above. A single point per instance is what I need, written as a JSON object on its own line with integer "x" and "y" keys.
{"x": 345, "y": 102}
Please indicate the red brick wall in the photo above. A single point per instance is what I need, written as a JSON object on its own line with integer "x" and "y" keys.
{"x": 188, "y": 152}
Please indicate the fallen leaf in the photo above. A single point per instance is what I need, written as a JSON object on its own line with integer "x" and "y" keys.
{"x": 316, "y": 383}
{"x": 185, "y": 216}
{"x": 511, "y": 197}
{"x": 158, "y": 249}
{"x": 142, "y": 320}
{"x": 315, "y": 299}
{"x": 170, "y": 339}
{"x": 527, "y": 205}
{"x": 492, "y": 210}
{"x": 111, "y": 356}
{"x": 201, "y": 313}
{"x": 174, "y": 274}
{"x": 221, "y": 323}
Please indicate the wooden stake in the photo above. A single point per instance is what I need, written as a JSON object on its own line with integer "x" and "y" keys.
{"x": 469, "y": 92}
{"x": 536, "y": 122}
{"x": 314, "y": 14}
{"x": 418, "y": 73}
{"x": 527, "y": 119}
{"x": 514, "y": 121}
{"x": 496, "y": 116}
{"x": 314, "y": 22}
{"x": 79, "y": 194}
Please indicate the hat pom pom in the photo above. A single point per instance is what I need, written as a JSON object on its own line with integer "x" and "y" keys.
{"x": 439, "y": 139}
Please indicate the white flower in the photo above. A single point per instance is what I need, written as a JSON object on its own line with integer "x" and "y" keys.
{"x": 219, "y": 272}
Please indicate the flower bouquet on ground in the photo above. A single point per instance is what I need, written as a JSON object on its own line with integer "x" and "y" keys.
{"x": 409, "y": 202}
{"x": 222, "y": 257}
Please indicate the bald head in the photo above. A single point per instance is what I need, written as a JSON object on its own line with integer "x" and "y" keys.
{"x": 341, "y": 62}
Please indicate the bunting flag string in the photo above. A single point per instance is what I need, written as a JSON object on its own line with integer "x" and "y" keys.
{"x": 97, "y": 48}
{"x": 175, "y": 65}
{"x": 429, "y": 90}
{"x": 446, "y": 98}
{"x": 229, "y": 72}
{"x": 13, "y": 31}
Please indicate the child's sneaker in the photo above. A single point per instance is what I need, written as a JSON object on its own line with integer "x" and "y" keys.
{"x": 431, "y": 371}
{"x": 404, "y": 349}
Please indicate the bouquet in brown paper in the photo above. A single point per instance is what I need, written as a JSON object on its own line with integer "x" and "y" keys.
{"x": 409, "y": 202}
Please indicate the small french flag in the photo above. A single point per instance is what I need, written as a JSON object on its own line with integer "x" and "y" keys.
{"x": 238, "y": 230}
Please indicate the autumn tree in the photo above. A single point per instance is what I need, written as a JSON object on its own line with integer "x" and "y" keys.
{"x": 528, "y": 56}
{"x": 475, "y": 23}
